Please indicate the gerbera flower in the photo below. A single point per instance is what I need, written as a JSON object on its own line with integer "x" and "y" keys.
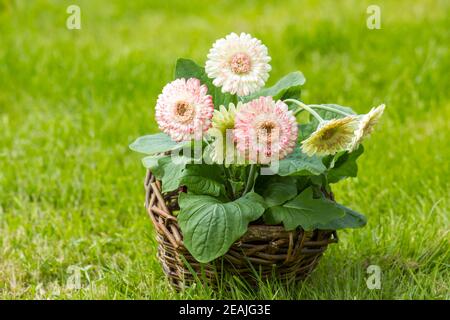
{"x": 223, "y": 123}
{"x": 265, "y": 128}
{"x": 331, "y": 136}
{"x": 238, "y": 64}
{"x": 366, "y": 124}
{"x": 184, "y": 109}
{"x": 223, "y": 118}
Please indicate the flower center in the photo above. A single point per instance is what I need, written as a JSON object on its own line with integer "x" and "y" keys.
{"x": 184, "y": 112}
{"x": 240, "y": 63}
{"x": 268, "y": 126}
{"x": 329, "y": 133}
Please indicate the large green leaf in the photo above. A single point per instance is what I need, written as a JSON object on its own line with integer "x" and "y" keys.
{"x": 351, "y": 219}
{"x": 170, "y": 172}
{"x": 203, "y": 179}
{"x": 300, "y": 164}
{"x": 304, "y": 211}
{"x": 210, "y": 226}
{"x": 187, "y": 68}
{"x": 276, "y": 190}
{"x": 287, "y": 87}
{"x": 345, "y": 166}
{"x": 154, "y": 143}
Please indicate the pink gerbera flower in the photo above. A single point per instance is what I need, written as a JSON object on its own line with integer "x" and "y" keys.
{"x": 265, "y": 129}
{"x": 184, "y": 109}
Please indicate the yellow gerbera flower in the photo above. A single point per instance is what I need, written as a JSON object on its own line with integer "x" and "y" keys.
{"x": 366, "y": 124}
{"x": 223, "y": 120}
{"x": 331, "y": 136}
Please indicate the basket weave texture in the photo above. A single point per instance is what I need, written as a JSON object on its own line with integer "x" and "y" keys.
{"x": 266, "y": 249}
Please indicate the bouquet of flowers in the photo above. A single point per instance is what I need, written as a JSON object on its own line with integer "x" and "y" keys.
{"x": 238, "y": 152}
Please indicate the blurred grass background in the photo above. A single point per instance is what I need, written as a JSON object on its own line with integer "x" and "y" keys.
{"x": 71, "y": 101}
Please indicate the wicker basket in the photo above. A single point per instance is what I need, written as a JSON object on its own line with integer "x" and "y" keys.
{"x": 268, "y": 250}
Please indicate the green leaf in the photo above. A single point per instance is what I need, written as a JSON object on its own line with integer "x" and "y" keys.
{"x": 203, "y": 179}
{"x": 327, "y": 115}
{"x": 237, "y": 187}
{"x": 210, "y": 226}
{"x": 276, "y": 190}
{"x": 345, "y": 166}
{"x": 154, "y": 143}
{"x": 287, "y": 87}
{"x": 302, "y": 182}
{"x": 187, "y": 68}
{"x": 298, "y": 163}
{"x": 305, "y": 130}
{"x": 170, "y": 172}
{"x": 151, "y": 162}
{"x": 351, "y": 219}
{"x": 304, "y": 211}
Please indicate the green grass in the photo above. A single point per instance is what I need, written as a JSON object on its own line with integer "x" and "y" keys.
{"x": 71, "y": 192}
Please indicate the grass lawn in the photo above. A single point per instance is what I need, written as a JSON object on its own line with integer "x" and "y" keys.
{"x": 71, "y": 192}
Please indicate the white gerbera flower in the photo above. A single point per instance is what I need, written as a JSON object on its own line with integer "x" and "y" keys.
{"x": 184, "y": 109}
{"x": 238, "y": 64}
{"x": 366, "y": 124}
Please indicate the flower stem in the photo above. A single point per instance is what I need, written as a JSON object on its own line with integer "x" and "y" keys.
{"x": 305, "y": 107}
{"x": 251, "y": 177}
{"x": 206, "y": 140}
{"x": 328, "y": 108}
{"x": 227, "y": 182}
